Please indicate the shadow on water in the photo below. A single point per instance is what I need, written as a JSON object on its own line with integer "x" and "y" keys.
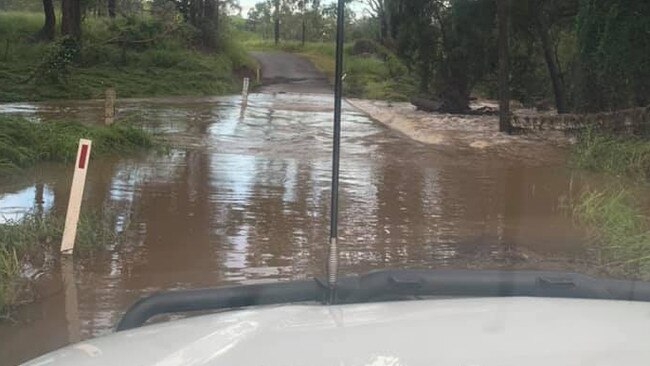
{"x": 248, "y": 202}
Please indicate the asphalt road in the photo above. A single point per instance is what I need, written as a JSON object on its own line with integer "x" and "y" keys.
{"x": 284, "y": 72}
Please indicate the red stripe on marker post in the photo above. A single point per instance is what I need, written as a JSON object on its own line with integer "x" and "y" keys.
{"x": 83, "y": 155}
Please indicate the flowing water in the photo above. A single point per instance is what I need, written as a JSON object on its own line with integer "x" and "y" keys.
{"x": 243, "y": 197}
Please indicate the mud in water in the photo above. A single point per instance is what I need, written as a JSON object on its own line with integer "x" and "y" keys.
{"x": 243, "y": 197}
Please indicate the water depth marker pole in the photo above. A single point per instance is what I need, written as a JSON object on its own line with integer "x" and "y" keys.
{"x": 244, "y": 91}
{"x": 76, "y": 194}
{"x": 332, "y": 267}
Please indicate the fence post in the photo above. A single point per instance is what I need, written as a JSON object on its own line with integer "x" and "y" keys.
{"x": 109, "y": 106}
{"x": 244, "y": 92}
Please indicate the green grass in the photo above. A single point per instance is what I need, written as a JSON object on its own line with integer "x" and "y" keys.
{"x": 31, "y": 238}
{"x": 24, "y": 142}
{"x": 164, "y": 67}
{"x": 614, "y": 215}
{"x": 620, "y": 230}
{"x": 623, "y": 156}
{"x": 380, "y": 75}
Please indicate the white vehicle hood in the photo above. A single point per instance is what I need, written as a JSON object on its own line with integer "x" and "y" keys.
{"x": 458, "y": 332}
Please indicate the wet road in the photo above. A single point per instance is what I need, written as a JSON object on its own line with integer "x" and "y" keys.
{"x": 286, "y": 72}
{"x": 243, "y": 197}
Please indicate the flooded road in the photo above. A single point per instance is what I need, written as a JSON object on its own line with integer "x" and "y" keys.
{"x": 243, "y": 197}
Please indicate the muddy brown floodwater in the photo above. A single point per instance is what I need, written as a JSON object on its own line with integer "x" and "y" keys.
{"x": 243, "y": 197}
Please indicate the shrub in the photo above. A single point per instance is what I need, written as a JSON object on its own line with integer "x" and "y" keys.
{"x": 363, "y": 47}
{"x": 629, "y": 156}
{"x": 58, "y": 61}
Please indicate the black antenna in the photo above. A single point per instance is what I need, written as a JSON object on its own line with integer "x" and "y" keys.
{"x": 332, "y": 268}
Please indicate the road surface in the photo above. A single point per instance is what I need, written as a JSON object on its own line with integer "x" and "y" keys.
{"x": 283, "y": 72}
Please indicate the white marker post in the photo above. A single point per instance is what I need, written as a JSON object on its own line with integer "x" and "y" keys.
{"x": 244, "y": 91}
{"x": 76, "y": 194}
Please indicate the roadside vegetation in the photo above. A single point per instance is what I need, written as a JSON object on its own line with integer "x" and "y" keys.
{"x": 24, "y": 142}
{"x": 626, "y": 156}
{"x": 138, "y": 55}
{"x": 616, "y": 215}
{"x": 31, "y": 241}
{"x": 620, "y": 229}
{"x": 576, "y": 55}
{"x": 371, "y": 71}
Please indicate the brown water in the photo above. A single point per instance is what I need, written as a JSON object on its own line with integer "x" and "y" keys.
{"x": 244, "y": 198}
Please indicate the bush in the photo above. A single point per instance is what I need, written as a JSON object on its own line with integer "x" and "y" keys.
{"x": 58, "y": 61}
{"x": 138, "y": 56}
{"x": 629, "y": 156}
{"x": 163, "y": 58}
{"x": 94, "y": 54}
{"x": 364, "y": 47}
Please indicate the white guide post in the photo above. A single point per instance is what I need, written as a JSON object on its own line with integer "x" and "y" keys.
{"x": 76, "y": 194}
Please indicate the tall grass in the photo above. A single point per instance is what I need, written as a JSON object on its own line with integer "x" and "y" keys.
{"x": 31, "y": 238}
{"x": 24, "y": 142}
{"x": 620, "y": 230}
{"x": 623, "y": 156}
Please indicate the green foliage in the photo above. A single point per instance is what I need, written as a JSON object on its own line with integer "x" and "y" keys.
{"x": 614, "y": 54}
{"x": 137, "y": 56}
{"x": 23, "y": 142}
{"x": 450, "y": 45}
{"x": 620, "y": 230}
{"x": 319, "y": 20}
{"x": 364, "y": 46}
{"x": 58, "y": 61}
{"x": 622, "y": 156}
{"x": 31, "y": 237}
{"x": 19, "y": 24}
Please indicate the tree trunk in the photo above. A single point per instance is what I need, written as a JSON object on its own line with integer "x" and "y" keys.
{"x": 49, "y": 27}
{"x": 303, "y": 34}
{"x": 504, "y": 65}
{"x": 194, "y": 12}
{"x": 208, "y": 10}
{"x": 383, "y": 27}
{"x": 549, "y": 56}
{"x": 276, "y": 29}
{"x": 111, "y": 8}
{"x": 71, "y": 18}
{"x": 184, "y": 8}
{"x": 217, "y": 14}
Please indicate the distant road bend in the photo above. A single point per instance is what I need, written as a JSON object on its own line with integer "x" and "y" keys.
{"x": 289, "y": 73}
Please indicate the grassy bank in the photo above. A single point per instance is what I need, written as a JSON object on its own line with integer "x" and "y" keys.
{"x": 373, "y": 72}
{"x": 31, "y": 239}
{"x": 615, "y": 215}
{"x": 24, "y": 142}
{"x": 620, "y": 229}
{"x": 622, "y": 156}
{"x": 129, "y": 54}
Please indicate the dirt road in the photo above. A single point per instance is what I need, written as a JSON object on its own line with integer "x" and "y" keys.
{"x": 283, "y": 72}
